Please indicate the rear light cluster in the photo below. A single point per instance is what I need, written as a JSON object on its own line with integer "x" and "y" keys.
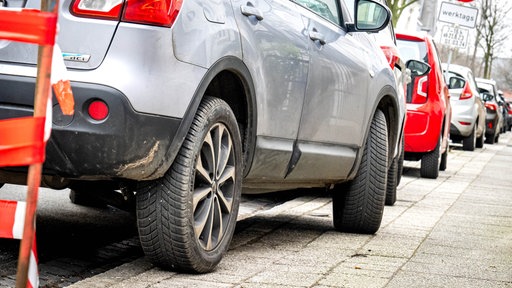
{"x": 391, "y": 54}
{"x": 418, "y": 93}
{"x": 466, "y": 92}
{"x": 152, "y": 12}
{"x": 491, "y": 106}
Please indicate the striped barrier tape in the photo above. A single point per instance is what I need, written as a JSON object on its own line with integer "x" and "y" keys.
{"x": 12, "y": 218}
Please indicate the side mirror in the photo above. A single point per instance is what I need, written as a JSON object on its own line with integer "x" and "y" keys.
{"x": 370, "y": 17}
{"x": 487, "y": 96}
{"x": 456, "y": 82}
{"x": 418, "y": 68}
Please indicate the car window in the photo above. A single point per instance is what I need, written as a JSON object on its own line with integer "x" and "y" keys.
{"x": 485, "y": 87}
{"x": 414, "y": 50}
{"x": 328, "y": 9}
{"x": 455, "y": 83}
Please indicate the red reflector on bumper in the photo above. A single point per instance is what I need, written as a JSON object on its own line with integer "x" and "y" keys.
{"x": 98, "y": 110}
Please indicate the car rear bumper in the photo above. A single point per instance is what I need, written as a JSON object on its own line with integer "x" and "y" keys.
{"x": 491, "y": 121}
{"x": 462, "y": 122}
{"x": 81, "y": 147}
{"x": 421, "y": 131}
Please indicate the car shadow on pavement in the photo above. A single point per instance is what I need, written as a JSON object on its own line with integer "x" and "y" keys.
{"x": 411, "y": 171}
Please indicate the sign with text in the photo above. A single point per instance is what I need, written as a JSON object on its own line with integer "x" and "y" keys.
{"x": 458, "y": 14}
{"x": 454, "y": 37}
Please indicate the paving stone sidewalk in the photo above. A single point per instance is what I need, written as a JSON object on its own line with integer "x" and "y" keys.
{"x": 455, "y": 231}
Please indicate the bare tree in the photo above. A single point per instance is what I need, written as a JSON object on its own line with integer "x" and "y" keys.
{"x": 398, "y": 6}
{"x": 491, "y": 32}
{"x": 502, "y": 73}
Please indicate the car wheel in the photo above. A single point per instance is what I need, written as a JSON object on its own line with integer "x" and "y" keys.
{"x": 186, "y": 219}
{"x": 358, "y": 204}
{"x": 490, "y": 139}
{"x": 401, "y": 163}
{"x": 444, "y": 160}
{"x": 430, "y": 162}
{"x": 480, "y": 141}
{"x": 391, "y": 183}
{"x": 469, "y": 143}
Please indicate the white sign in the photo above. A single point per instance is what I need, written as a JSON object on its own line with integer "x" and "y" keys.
{"x": 458, "y": 14}
{"x": 455, "y": 37}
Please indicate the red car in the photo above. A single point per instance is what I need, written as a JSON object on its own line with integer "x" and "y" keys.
{"x": 428, "y": 106}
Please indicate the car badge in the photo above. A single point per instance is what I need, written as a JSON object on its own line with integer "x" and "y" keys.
{"x": 75, "y": 57}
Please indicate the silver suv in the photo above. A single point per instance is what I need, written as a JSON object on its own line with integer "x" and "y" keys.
{"x": 184, "y": 105}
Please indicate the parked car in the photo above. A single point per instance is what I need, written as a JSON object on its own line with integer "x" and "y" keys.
{"x": 428, "y": 106}
{"x": 494, "y": 119}
{"x": 184, "y": 105}
{"x": 468, "y": 109}
{"x": 386, "y": 39}
{"x": 507, "y": 115}
{"x": 508, "y": 103}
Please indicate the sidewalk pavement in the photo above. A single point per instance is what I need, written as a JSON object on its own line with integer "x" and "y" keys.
{"x": 455, "y": 231}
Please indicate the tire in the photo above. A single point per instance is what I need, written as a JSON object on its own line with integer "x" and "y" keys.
{"x": 187, "y": 218}
{"x": 358, "y": 204}
{"x": 469, "y": 143}
{"x": 430, "y": 162}
{"x": 480, "y": 140}
{"x": 392, "y": 183}
{"x": 401, "y": 164}
{"x": 444, "y": 160}
{"x": 490, "y": 139}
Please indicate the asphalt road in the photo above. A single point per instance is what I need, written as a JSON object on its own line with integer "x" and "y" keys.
{"x": 455, "y": 231}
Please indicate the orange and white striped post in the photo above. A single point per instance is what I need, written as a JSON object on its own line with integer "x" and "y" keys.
{"x": 12, "y": 222}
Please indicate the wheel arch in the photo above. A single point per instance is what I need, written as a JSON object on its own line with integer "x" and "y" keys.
{"x": 388, "y": 104}
{"x": 230, "y": 80}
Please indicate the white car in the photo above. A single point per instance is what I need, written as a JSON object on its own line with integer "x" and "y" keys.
{"x": 468, "y": 109}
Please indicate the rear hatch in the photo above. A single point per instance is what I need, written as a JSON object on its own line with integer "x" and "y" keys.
{"x": 83, "y": 41}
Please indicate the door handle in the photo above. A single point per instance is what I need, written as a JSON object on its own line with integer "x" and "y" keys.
{"x": 317, "y": 36}
{"x": 249, "y": 10}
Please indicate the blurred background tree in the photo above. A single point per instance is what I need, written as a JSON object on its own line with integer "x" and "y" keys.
{"x": 397, "y": 7}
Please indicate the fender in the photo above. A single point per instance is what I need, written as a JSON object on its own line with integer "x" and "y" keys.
{"x": 387, "y": 96}
{"x": 238, "y": 67}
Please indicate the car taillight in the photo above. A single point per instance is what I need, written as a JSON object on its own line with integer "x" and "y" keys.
{"x": 419, "y": 92}
{"x": 466, "y": 93}
{"x": 491, "y": 106}
{"x": 152, "y": 12}
{"x": 391, "y": 54}
{"x": 109, "y": 9}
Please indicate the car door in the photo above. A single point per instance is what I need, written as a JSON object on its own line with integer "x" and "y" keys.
{"x": 275, "y": 50}
{"x": 335, "y": 106}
